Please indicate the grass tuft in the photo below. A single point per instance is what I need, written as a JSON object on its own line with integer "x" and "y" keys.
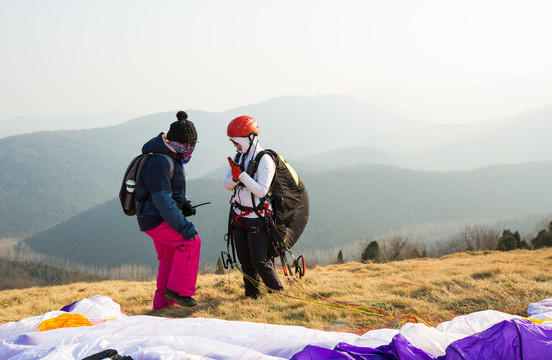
{"x": 485, "y": 274}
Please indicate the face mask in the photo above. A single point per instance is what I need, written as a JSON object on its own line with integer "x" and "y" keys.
{"x": 184, "y": 150}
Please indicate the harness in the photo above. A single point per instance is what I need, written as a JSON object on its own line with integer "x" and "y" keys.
{"x": 262, "y": 210}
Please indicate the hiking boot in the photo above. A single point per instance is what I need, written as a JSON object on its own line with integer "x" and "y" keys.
{"x": 180, "y": 300}
{"x": 252, "y": 295}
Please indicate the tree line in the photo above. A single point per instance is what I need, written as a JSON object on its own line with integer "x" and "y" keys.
{"x": 396, "y": 247}
{"x": 17, "y": 274}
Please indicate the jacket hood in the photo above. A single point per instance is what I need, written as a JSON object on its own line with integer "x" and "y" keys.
{"x": 157, "y": 145}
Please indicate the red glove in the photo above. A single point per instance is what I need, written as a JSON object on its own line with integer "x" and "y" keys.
{"x": 236, "y": 171}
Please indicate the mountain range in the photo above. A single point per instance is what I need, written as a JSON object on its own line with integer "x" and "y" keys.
{"x": 348, "y": 205}
{"x": 338, "y": 143}
{"x": 25, "y": 125}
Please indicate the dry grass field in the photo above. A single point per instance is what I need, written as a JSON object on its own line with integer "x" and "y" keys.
{"x": 350, "y": 297}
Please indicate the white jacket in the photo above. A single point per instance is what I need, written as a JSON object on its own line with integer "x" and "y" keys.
{"x": 259, "y": 185}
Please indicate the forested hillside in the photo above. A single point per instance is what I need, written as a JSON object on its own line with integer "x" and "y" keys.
{"x": 347, "y": 206}
{"x": 25, "y": 274}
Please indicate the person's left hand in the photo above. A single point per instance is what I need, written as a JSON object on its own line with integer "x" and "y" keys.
{"x": 188, "y": 210}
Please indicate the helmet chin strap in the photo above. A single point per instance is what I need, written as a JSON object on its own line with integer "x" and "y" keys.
{"x": 251, "y": 140}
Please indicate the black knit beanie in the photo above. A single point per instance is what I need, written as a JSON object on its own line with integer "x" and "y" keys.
{"x": 182, "y": 130}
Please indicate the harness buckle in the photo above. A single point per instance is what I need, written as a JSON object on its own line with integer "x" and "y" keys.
{"x": 255, "y": 230}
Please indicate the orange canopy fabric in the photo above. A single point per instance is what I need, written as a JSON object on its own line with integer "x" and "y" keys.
{"x": 63, "y": 321}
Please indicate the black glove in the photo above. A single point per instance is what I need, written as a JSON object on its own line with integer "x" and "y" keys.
{"x": 188, "y": 210}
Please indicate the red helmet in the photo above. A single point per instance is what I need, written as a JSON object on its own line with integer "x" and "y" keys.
{"x": 242, "y": 126}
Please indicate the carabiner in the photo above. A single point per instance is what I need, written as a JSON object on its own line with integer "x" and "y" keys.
{"x": 226, "y": 263}
{"x": 300, "y": 266}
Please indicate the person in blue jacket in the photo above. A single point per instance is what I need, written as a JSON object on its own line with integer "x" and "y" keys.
{"x": 162, "y": 211}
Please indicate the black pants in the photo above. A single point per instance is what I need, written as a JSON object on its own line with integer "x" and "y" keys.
{"x": 251, "y": 247}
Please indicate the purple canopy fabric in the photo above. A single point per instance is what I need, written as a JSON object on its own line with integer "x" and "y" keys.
{"x": 509, "y": 339}
{"x": 400, "y": 348}
{"x": 70, "y": 307}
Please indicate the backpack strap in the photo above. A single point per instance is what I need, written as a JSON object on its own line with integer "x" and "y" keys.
{"x": 171, "y": 175}
{"x": 251, "y": 170}
{"x": 254, "y": 164}
{"x": 171, "y": 164}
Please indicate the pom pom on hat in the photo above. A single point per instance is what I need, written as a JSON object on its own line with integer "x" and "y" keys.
{"x": 181, "y": 115}
{"x": 182, "y": 130}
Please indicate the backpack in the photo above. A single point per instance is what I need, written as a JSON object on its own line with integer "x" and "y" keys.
{"x": 127, "y": 193}
{"x": 290, "y": 204}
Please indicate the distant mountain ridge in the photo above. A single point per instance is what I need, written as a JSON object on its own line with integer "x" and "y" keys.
{"x": 356, "y": 155}
{"x": 319, "y": 124}
{"x": 47, "y": 177}
{"x": 25, "y": 125}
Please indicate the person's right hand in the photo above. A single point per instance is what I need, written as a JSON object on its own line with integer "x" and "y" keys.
{"x": 236, "y": 170}
{"x": 188, "y": 209}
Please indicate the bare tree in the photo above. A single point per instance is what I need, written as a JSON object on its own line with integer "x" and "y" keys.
{"x": 445, "y": 247}
{"x": 396, "y": 247}
{"x": 478, "y": 237}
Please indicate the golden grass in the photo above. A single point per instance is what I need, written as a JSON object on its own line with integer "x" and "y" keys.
{"x": 351, "y": 297}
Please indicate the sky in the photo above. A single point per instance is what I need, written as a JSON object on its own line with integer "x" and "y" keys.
{"x": 435, "y": 60}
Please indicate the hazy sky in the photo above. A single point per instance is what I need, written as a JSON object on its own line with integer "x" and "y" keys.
{"x": 435, "y": 60}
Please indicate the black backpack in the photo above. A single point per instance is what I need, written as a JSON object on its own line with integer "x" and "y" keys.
{"x": 290, "y": 204}
{"x": 127, "y": 193}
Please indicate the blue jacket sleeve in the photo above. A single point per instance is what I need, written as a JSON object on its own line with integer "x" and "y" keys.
{"x": 159, "y": 186}
{"x": 166, "y": 206}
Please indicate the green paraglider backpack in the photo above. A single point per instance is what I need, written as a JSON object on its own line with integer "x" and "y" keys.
{"x": 290, "y": 203}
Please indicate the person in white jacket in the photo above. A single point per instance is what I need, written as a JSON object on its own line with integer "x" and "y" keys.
{"x": 248, "y": 225}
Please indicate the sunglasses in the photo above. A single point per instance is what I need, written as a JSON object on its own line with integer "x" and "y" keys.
{"x": 181, "y": 148}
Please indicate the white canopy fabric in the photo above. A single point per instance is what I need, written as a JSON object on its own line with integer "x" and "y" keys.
{"x": 151, "y": 337}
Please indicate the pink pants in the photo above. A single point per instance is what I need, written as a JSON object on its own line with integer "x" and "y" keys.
{"x": 178, "y": 263}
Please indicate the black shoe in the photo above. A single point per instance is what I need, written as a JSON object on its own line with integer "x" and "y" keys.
{"x": 253, "y": 295}
{"x": 180, "y": 300}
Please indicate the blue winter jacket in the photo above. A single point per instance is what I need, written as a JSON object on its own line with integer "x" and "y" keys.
{"x": 161, "y": 199}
